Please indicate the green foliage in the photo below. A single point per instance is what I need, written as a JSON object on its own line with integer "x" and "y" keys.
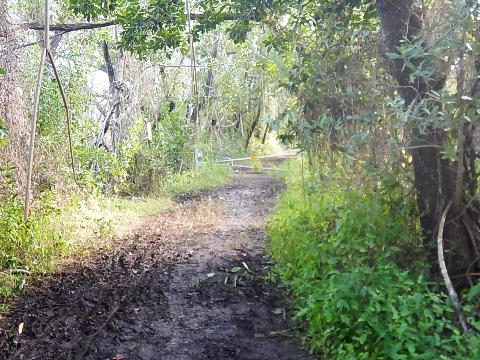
{"x": 52, "y": 123}
{"x": 229, "y": 146}
{"x": 257, "y": 167}
{"x": 248, "y": 14}
{"x": 98, "y": 166}
{"x": 356, "y": 275}
{"x": 169, "y": 151}
{"x": 172, "y": 140}
{"x": 27, "y": 244}
{"x": 137, "y": 164}
{"x": 147, "y": 26}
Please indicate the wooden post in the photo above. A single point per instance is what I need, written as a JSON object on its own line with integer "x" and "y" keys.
{"x": 33, "y": 127}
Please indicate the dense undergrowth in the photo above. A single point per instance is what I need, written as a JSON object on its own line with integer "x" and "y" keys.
{"x": 354, "y": 267}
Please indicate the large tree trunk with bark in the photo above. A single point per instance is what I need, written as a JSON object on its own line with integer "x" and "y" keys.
{"x": 435, "y": 176}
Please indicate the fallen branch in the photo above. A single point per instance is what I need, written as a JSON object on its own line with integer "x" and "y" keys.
{"x": 446, "y": 278}
{"x": 16, "y": 271}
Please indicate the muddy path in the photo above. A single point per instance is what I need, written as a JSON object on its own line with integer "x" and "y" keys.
{"x": 190, "y": 285}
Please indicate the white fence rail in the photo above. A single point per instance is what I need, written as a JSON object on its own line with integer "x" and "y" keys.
{"x": 277, "y": 156}
{"x": 232, "y": 162}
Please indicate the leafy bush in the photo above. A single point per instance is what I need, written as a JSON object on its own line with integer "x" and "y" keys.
{"x": 343, "y": 253}
{"x": 170, "y": 151}
{"x": 29, "y": 244}
{"x": 26, "y": 246}
{"x": 137, "y": 164}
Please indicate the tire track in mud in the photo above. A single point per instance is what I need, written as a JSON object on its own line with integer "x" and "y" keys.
{"x": 190, "y": 285}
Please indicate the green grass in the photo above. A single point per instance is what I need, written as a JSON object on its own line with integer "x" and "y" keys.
{"x": 30, "y": 245}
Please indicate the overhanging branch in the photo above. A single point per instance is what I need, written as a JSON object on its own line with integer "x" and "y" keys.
{"x": 90, "y": 26}
{"x": 71, "y": 27}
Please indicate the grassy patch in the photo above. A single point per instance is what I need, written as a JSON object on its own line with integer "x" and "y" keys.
{"x": 98, "y": 218}
{"x": 28, "y": 247}
{"x": 208, "y": 176}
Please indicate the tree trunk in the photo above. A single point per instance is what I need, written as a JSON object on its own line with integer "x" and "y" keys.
{"x": 254, "y": 126}
{"x": 108, "y": 65}
{"x": 113, "y": 119}
{"x": 267, "y": 129}
{"x": 435, "y": 176}
{"x": 210, "y": 74}
{"x": 208, "y": 87}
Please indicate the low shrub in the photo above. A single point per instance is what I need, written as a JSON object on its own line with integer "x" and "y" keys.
{"x": 27, "y": 246}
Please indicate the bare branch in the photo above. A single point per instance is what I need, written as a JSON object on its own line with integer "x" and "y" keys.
{"x": 446, "y": 278}
{"x": 67, "y": 111}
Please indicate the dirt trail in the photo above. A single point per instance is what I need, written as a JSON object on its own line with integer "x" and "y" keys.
{"x": 190, "y": 286}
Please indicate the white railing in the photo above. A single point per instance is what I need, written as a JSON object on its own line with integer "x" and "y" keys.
{"x": 254, "y": 158}
{"x": 259, "y": 157}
